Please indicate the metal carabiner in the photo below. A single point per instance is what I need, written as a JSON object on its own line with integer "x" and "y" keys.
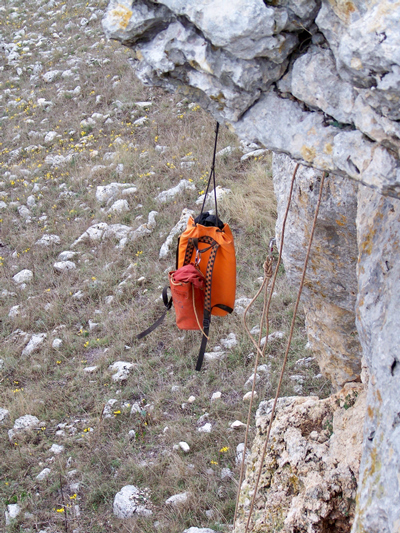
{"x": 272, "y": 243}
{"x": 197, "y": 259}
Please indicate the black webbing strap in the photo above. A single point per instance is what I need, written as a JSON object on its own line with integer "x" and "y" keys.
{"x": 212, "y": 177}
{"x": 206, "y": 329}
{"x": 168, "y": 305}
{"x": 207, "y": 302}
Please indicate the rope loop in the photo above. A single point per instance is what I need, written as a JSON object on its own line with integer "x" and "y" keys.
{"x": 268, "y": 268}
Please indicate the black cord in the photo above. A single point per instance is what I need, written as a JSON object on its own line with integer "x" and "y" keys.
{"x": 212, "y": 175}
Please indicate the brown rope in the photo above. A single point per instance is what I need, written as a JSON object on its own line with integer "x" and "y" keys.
{"x": 286, "y": 352}
{"x": 267, "y": 277}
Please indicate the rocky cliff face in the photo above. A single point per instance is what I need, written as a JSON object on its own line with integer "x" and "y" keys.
{"x": 319, "y": 82}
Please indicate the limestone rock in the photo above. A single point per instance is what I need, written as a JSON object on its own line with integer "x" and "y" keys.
{"x": 310, "y": 477}
{"x": 183, "y": 185}
{"x": 178, "y": 499}
{"x": 4, "y": 415}
{"x": 93, "y": 233}
{"x": 48, "y": 240}
{"x": 34, "y": 344}
{"x": 23, "y": 423}
{"x": 210, "y": 202}
{"x": 120, "y": 206}
{"x": 378, "y": 323}
{"x": 130, "y": 501}
{"x": 64, "y": 266}
{"x": 199, "y": 530}
{"x": 13, "y": 510}
{"x": 56, "y": 449}
{"x": 179, "y": 227}
{"x": 24, "y": 276}
{"x": 43, "y": 474}
{"x": 330, "y": 289}
{"x": 122, "y": 370}
{"x": 105, "y": 193}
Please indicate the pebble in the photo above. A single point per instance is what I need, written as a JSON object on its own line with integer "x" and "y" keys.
{"x": 184, "y": 446}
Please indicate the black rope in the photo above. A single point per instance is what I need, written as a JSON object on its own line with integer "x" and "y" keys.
{"x": 212, "y": 176}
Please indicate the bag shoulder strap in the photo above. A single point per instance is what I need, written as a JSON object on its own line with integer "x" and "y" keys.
{"x": 168, "y": 305}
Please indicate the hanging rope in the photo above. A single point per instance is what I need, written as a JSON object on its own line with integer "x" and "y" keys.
{"x": 286, "y": 352}
{"x": 267, "y": 277}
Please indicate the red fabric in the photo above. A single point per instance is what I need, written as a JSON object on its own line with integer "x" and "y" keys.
{"x": 190, "y": 274}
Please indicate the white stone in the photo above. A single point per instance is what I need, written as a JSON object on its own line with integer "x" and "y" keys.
{"x": 79, "y": 295}
{"x": 276, "y": 335}
{"x": 206, "y": 428}
{"x": 216, "y": 396}
{"x": 184, "y": 446}
{"x": 14, "y": 311}
{"x": 24, "y": 276}
{"x": 50, "y": 136}
{"x": 225, "y": 151}
{"x": 247, "y": 396}
{"x": 105, "y": 193}
{"x": 237, "y": 425}
{"x": 43, "y": 474}
{"x": 64, "y": 266}
{"x": 178, "y": 499}
{"x": 51, "y": 75}
{"x": 24, "y": 212}
{"x": 178, "y": 228}
{"x": 56, "y": 449}
{"x": 170, "y": 194}
{"x": 143, "y": 104}
{"x": 93, "y": 326}
{"x": 214, "y": 356}
{"x": 191, "y": 399}
{"x": 141, "y": 121}
{"x": 221, "y": 193}
{"x": 57, "y": 343}
{"x": 249, "y": 382}
{"x": 4, "y": 415}
{"x": 23, "y": 423}
{"x": 241, "y": 305}
{"x": 90, "y": 369}
{"x": 48, "y": 240}
{"x": 199, "y": 530}
{"x": 239, "y": 453}
{"x": 67, "y": 255}
{"x": 130, "y": 501}
{"x": 230, "y": 341}
{"x": 13, "y": 510}
{"x": 30, "y": 201}
{"x": 226, "y": 473}
{"x": 34, "y": 343}
{"x": 255, "y": 153}
{"x": 120, "y": 206}
{"x": 92, "y": 234}
{"x": 122, "y": 369}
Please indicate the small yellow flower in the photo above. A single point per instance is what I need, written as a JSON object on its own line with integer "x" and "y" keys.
{"x": 224, "y": 449}
{"x": 93, "y": 278}
{"x": 213, "y": 462}
{"x": 73, "y": 497}
{"x": 58, "y": 362}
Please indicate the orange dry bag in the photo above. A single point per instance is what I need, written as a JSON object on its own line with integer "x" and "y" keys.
{"x": 204, "y": 282}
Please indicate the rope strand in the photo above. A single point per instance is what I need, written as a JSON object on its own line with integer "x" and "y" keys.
{"x": 286, "y": 352}
{"x": 265, "y": 316}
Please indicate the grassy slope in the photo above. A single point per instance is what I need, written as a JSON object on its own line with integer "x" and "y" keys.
{"x": 51, "y": 383}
